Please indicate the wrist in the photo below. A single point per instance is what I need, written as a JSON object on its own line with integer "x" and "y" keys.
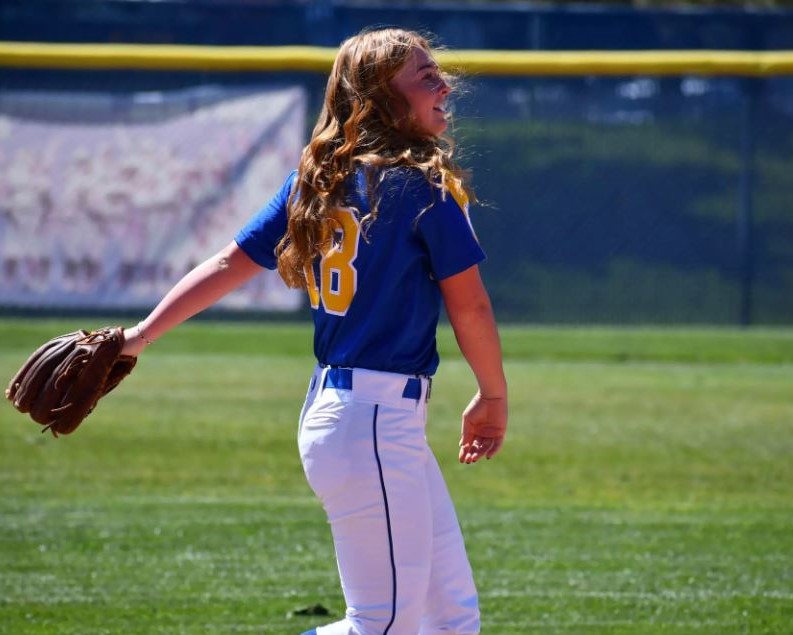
{"x": 133, "y": 343}
{"x": 493, "y": 393}
{"x": 491, "y": 382}
{"x": 142, "y": 335}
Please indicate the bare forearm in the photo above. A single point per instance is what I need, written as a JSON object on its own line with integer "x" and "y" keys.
{"x": 198, "y": 290}
{"x": 477, "y": 335}
{"x": 471, "y": 316}
{"x": 484, "y": 423}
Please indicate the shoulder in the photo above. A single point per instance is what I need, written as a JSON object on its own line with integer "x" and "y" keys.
{"x": 401, "y": 181}
{"x": 290, "y": 183}
{"x": 263, "y": 231}
{"x": 413, "y": 187}
{"x": 277, "y": 205}
{"x": 453, "y": 185}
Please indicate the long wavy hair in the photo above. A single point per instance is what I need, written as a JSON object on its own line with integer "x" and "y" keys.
{"x": 359, "y": 127}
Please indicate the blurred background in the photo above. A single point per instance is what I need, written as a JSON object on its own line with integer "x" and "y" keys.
{"x": 605, "y": 199}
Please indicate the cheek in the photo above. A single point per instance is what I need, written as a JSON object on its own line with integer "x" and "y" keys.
{"x": 422, "y": 103}
{"x": 409, "y": 101}
{"x": 400, "y": 104}
{"x": 398, "y": 108}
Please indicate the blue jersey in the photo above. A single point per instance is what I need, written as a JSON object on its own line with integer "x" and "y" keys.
{"x": 374, "y": 293}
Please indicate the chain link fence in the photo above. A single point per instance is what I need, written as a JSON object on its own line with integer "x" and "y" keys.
{"x": 614, "y": 200}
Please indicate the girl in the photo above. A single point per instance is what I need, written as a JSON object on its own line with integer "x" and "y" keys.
{"x": 374, "y": 226}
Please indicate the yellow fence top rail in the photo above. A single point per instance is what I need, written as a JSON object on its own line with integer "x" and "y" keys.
{"x": 166, "y": 57}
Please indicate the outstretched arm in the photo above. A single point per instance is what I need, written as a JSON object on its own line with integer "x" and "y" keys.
{"x": 485, "y": 419}
{"x": 199, "y": 289}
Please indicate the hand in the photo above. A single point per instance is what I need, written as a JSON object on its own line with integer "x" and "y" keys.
{"x": 484, "y": 427}
{"x": 133, "y": 342}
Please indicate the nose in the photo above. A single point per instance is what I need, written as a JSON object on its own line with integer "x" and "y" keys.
{"x": 443, "y": 88}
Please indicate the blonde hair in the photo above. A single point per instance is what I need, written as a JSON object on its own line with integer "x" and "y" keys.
{"x": 358, "y": 127}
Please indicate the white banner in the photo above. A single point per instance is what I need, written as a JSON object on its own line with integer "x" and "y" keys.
{"x": 107, "y": 200}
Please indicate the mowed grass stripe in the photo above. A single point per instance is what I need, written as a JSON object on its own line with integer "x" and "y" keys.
{"x": 573, "y": 565}
{"x": 666, "y": 344}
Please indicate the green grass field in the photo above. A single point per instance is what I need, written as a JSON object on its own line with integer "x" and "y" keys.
{"x": 646, "y": 487}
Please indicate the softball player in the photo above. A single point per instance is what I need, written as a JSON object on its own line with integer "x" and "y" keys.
{"x": 374, "y": 225}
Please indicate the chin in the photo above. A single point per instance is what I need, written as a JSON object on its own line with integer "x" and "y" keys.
{"x": 438, "y": 129}
{"x": 433, "y": 129}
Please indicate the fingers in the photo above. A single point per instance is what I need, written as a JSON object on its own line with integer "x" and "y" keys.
{"x": 484, "y": 425}
{"x": 496, "y": 447}
{"x": 477, "y": 448}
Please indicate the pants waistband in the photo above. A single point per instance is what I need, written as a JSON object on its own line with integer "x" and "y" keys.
{"x": 375, "y": 385}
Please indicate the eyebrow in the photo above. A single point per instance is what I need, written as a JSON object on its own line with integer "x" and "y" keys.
{"x": 431, "y": 65}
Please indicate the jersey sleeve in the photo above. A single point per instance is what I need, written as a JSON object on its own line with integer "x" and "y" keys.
{"x": 446, "y": 231}
{"x": 262, "y": 233}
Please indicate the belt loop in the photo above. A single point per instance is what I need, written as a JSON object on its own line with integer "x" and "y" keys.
{"x": 323, "y": 378}
{"x": 429, "y": 389}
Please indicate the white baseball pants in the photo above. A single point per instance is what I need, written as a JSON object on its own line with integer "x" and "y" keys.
{"x": 399, "y": 548}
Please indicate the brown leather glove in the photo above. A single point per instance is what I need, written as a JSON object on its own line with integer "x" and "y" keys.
{"x": 61, "y": 382}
